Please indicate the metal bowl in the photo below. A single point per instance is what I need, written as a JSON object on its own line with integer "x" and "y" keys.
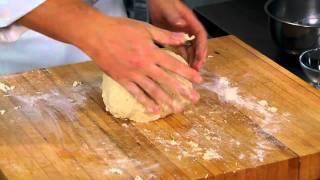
{"x": 310, "y": 63}
{"x": 294, "y": 24}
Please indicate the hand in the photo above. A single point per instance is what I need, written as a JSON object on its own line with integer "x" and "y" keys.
{"x": 175, "y": 16}
{"x": 125, "y": 50}
{"x": 122, "y": 48}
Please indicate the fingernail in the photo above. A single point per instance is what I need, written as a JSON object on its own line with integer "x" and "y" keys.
{"x": 180, "y": 22}
{"x": 156, "y": 110}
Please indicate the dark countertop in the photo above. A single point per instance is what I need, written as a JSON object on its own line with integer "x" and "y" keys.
{"x": 247, "y": 20}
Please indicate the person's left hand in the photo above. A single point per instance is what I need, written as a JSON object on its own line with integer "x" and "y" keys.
{"x": 173, "y": 15}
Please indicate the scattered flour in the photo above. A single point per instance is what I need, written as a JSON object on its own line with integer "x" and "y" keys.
{"x": 189, "y": 38}
{"x": 6, "y": 88}
{"x": 273, "y": 109}
{"x": 138, "y": 178}
{"x": 2, "y": 112}
{"x": 263, "y": 103}
{"x": 76, "y": 83}
{"x": 211, "y": 154}
{"x": 115, "y": 171}
{"x": 193, "y": 144}
{"x": 230, "y": 94}
{"x": 124, "y": 125}
{"x": 241, "y": 156}
{"x": 173, "y": 142}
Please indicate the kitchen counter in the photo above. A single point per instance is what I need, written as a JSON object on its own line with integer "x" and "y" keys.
{"x": 247, "y": 20}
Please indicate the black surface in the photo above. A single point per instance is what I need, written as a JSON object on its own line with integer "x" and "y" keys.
{"x": 247, "y": 20}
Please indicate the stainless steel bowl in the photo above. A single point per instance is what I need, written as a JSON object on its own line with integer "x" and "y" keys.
{"x": 310, "y": 63}
{"x": 294, "y": 24}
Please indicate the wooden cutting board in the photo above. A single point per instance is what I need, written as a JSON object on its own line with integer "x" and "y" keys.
{"x": 255, "y": 121}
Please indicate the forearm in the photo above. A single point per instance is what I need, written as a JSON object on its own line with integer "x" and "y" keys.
{"x": 69, "y": 21}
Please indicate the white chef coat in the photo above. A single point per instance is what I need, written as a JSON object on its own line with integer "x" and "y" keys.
{"x": 22, "y": 49}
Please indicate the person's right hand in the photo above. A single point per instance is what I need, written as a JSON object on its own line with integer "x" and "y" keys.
{"x": 125, "y": 50}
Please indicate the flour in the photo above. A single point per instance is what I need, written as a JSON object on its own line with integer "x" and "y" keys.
{"x": 114, "y": 171}
{"x": 124, "y": 163}
{"x": 138, "y": 178}
{"x": 231, "y": 94}
{"x": 76, "y": 83}
{"x": 174, "y": 143}
{"x": 52, "y": 107}
{"x": 2, "y": 112}
{"x": 273, "y": 109}
{"x": 241, "y": 156}
{"x": 211, "y": 154}
{"x": 6, "y": 88}
{"x": 50, "y": 102}
{"x": 263, "y": 103}
{"x": 193, "y": 144}
{"x": 124, "y": 125}
{"x": 189, "y": 38}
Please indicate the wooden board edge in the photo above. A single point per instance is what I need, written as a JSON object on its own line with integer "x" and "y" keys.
{"x": 2, "y": 176}
{"x": 282, "y": 170}
{"x": 310, "y": 167}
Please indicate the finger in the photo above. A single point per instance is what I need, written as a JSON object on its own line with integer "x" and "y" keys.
{"x": 165, "y": 37}
{"x": 196, "y": 28}
{"x": 191, "y": 54}
{"x": 170, "y": 63}
{"x": 183, "y": 52}
{"x": 170, "y": 14}
{"x": 155, "y": 92}
{"x": 174, "y": 17}
{"x": 172, "y": 84}
{"x": 201, "y": 50}
{"x": 135, "y": 91}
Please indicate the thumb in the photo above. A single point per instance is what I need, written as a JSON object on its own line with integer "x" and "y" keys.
{"x": 174, "y": 17}
{"x": 165, "y": 37}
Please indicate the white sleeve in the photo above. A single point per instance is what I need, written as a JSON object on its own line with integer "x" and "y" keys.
{"x": 12, "y": 10}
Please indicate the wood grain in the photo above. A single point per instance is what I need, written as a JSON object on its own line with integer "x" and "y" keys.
{"x": 52, "y": 130}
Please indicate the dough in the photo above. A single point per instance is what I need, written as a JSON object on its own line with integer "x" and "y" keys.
{"x": 121, "y": 104}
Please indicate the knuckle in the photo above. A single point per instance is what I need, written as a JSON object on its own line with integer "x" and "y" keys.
{"x": 131, "y": 88}
{"x": 155, "y": 92}
{"x": 136, "y": 62}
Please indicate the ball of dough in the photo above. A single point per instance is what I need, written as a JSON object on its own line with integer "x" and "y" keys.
{"x": 121, "y": 104}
